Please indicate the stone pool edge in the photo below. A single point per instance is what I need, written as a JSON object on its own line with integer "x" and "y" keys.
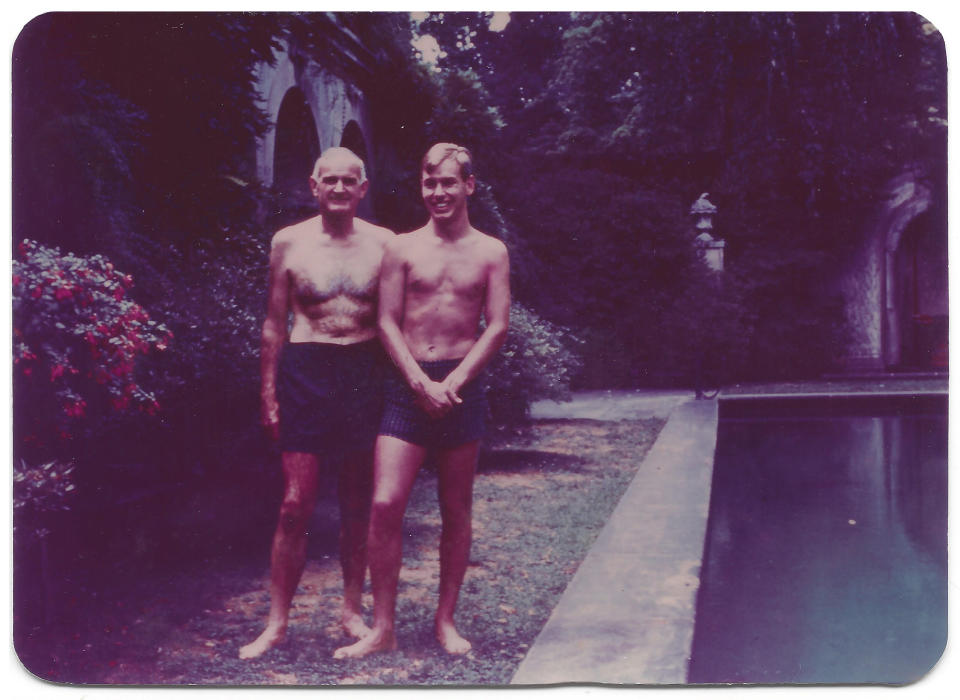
{"x": 627, "y": 616}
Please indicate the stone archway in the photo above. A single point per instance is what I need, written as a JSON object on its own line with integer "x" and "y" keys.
{"x": 353, "y": 139}
{"x": 908, "y": 201}
{"x": 917, "y": 296}
{"x": 295, "y": 89}
{"x": 296, "y": 147}
{"x": 894, "y": 285}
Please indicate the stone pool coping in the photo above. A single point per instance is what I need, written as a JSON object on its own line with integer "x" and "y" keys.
{"x": 627, "y": 616}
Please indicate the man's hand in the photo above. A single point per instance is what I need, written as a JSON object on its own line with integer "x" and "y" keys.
{"x": 437, "y": 399}
{"x": 270, "y": 419}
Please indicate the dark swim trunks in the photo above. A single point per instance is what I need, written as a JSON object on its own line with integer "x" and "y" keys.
{"x": 403, "y": 419}
{"x": 330, "y": 396}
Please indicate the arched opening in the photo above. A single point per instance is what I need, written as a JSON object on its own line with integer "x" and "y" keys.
{"x": 920, "y": 295}
{"x": 352, "y": 138}
{"x": 295, "y": 151}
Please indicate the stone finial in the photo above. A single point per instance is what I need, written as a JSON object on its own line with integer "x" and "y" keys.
{"x": 703, "y": 211}
{"x": 703, "y": 205}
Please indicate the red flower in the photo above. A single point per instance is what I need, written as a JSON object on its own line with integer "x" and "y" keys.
{"x": 62, "y": 293}
{"x": 37, "y": 292}
{"x": 75, "y": 409}
{"x": 56, "y": 372}
{"x": 17, "y": 279}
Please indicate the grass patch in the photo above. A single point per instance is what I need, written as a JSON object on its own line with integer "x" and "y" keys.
{"x": 542, "y": 495}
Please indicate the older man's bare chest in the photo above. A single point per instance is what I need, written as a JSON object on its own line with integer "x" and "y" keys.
{"x": 321, "y": 273}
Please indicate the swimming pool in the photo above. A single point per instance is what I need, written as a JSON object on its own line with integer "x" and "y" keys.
{"x": 825, "y": 557}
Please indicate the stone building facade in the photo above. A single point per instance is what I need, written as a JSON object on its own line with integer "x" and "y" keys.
{"x": 895, "y": 288}
{"x": 311, "y": 107}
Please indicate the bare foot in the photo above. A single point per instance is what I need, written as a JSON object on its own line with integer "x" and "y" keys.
{"x": 450, "y": 639}
{"x": 265, "y": 642}
{"x": 353, "y": 624}
{"x": 374, "y": 641}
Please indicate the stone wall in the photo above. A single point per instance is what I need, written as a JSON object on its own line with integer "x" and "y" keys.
{"x": 333, "y": 101}
{"x": 870, "y": 284}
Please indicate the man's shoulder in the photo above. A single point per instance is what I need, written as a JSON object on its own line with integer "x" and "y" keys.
{"x": 490, "y": 244}
{"x": 381, "y": 233}
{"x": 293, "y": 232}
{"x": 407, "y": 241}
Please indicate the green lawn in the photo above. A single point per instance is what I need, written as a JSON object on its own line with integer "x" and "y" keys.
{"x": 542, "y": 495}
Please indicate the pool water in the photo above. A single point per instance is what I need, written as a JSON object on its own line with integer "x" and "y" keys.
{"x": 825, "y": 557}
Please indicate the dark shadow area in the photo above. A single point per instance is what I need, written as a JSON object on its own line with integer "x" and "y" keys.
{"x": 521, "y": 461}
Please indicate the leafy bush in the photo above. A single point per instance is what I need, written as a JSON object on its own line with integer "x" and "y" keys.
{"x": 214, "y": 300}
{"x": 37, "y": 492}
{"x": 76, "y": 338}
{"x": 537, "y": 361}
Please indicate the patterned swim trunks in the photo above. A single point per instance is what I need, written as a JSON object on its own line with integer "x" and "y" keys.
{"x": 404, "y": 419}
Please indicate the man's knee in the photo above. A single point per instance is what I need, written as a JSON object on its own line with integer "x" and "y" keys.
{"x": 456, "y": 514}
{"x": 386, "y": 513}
{"x": 294, "y": 516}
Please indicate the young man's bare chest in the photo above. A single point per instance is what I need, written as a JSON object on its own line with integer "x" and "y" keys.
{"x": 458, "y": 273}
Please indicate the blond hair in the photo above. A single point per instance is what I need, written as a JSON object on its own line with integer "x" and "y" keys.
{"x": 443, "y": 151}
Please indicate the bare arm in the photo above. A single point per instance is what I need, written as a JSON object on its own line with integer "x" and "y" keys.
{"x": 272, "y": 338}
{"x": 432, "y": 395}
{"x": 497, "y": 315}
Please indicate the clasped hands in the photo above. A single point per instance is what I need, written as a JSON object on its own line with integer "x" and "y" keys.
{"x": 437, "y": 398}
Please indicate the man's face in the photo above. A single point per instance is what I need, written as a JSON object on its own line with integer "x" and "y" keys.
{"x": 337, "y": 187}
{"x": 444, "y": 191}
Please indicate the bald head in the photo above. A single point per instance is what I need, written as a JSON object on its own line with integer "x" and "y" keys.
{"x": 340, "y": 156}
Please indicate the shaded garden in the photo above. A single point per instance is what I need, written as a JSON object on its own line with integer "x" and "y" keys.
{"x": 140, "y": 236}
{"x": 155, "y": 616}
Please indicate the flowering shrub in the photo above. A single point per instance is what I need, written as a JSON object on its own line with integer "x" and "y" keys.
{"x": 76, "y": 336}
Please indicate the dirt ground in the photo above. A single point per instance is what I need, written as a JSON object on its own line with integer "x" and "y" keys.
{"x": 542, "y": 495}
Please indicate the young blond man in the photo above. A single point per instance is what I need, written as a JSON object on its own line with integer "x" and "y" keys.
{"x": 436, "y": 286}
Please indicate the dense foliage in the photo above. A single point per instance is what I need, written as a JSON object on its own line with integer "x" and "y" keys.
{"x": 538, "y": 361}
{"x": 614, "y": 123}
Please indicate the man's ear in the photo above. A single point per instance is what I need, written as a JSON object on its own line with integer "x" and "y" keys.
{"x": 314, "y": 186}
{"x": 470, "y": 184}
{"x": 364, "y": 186}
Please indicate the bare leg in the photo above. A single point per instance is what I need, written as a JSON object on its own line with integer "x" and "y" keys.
{"x": 395, "y": 469}
{"x": 455, "y": 491}
{"x": 353, "y": 491}
{"x": 289, "y": 551}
